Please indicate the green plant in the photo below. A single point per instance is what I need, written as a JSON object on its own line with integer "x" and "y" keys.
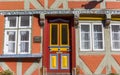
{"x": 112, "y": 74}
{"x": 6, "y": 72}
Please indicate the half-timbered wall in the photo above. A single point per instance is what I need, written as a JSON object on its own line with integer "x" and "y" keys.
{"x": 87, "y": 62}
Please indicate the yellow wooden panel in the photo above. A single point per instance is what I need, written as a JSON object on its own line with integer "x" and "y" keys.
{"x": 115, "y": 19}
{"x": 64, "y": 61}
{"x": 54, "y": 61}
{"x": 91, "y": 18}
{"x": 54, "y": 49}
{"x": 63, "y": 49}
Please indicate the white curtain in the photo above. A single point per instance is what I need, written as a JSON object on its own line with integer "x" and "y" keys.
{"x": 24, "y": 45}
{"x": 11, "y": 41}
{"x": 85, "y": 37}
{"x": 98, "y": 38}
{"x": 116, "y": 36}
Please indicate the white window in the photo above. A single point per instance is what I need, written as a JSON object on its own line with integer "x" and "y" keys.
{"x": 10, "y": 41}
{"x": 11, "y": 22}
{"x": 98, "y": 43}
{"x": 115, "y": 37}
{"x": 24, "y": 41}
{"x": 25, "y": 22}
{"x": 85, "y": 37}
{"x": 17, "y": 35}
{"x": 91, "y": 37}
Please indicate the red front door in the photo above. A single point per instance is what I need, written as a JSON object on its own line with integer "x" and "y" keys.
{"x": 57, "y": 48}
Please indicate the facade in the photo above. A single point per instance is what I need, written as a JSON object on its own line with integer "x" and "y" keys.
{"x": 60, "y": 37}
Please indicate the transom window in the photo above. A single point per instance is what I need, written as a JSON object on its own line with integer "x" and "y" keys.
{"x": 115, "y": 37}
{"x": 91, "y": 37}
{"x": 17, "y": 34}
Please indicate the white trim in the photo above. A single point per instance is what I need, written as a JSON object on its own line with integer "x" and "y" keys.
{"x": 6, "y": 41}
{"x": 93, "y": 24}
{"x": 112, "y": 24}
{"x": 80, "y": 37}
{"x": 29, "y": 41}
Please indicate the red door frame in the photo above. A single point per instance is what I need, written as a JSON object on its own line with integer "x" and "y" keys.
{"x": 46, "y": 39}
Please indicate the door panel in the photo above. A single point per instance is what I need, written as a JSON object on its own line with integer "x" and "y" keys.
{"x": 53, "y": 61}
{"x": 64, "y": 61}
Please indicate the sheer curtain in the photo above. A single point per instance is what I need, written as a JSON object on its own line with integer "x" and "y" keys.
{"x": 116, "y": 36}
{"x": 24, "y": 45}
{"x": 11, "y": 21}
{"x": 11, "y": 41}
{"x": 25, "y": 21}
{"x": 98, "y": 38}
{"x": 85, "y": 36}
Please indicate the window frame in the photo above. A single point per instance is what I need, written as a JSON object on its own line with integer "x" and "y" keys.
{"x": 30, "y": 22}
{"x": 112, "y": 24}
{"x": 93, "y": 24}
{"x": 29, "y": 50}
{"x": 17, "y": 29}
{"x": 7, "y": 25}
{"x": 80, "y": 37}
{"x": 6, "y": 41}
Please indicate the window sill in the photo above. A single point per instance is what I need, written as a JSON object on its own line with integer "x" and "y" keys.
{"x": 21, "y": 56}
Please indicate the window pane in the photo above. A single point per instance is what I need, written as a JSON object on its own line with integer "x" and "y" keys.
{"x": 85, "y": 28}
{"x": 24, "y": 47}
{"x": 115, "y": 28}
{"x": 64, "y": 34}
{"x": 98, "y": 45}
{"x": 98, "y": 36}
{"x": 85, "y": 45}
{"x": 12, "y": 21}
{"x": 97, "y": 28}
{"x": 54, "y": 33}
{"x": 85, "y": 36}
{"x": 11, "y": 35}
{"x": 24, "y": 35}
{"x": 116, "y": 36}
{"x": 25, "y": 21}
{"x": 10, "y": 44}
{"x": 116, "y": 45}
{"x": 11, "y": 47}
